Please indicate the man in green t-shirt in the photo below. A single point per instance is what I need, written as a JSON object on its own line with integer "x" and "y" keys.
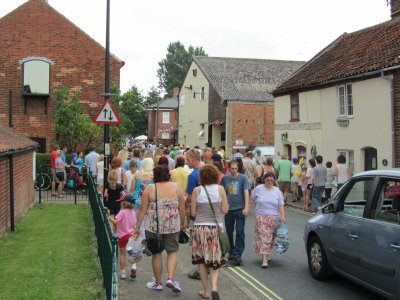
{"x": 284, "y": 167}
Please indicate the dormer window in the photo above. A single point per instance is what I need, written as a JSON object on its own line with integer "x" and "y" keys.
{"x": 36, "y": 75}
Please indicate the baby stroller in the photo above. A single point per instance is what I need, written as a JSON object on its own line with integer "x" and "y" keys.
{"x": 75, "y": 179}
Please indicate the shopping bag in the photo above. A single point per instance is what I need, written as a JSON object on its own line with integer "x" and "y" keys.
{"x": 134, "y": 250}
{"x": 282, "y": 239}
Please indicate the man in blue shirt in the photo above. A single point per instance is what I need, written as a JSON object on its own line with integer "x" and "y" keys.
{"x": 193, "y": 161}
{"x": 237, "y": 188}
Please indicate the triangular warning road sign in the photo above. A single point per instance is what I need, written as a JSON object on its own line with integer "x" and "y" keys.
{"x": 107, "y": 114}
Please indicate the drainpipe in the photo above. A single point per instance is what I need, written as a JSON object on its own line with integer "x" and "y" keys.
{"x": 11, "y": 166}
{"x": 390, "y": 78}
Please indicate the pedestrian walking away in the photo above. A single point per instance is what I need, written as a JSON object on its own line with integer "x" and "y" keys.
{"x": 284, "y": 167}
{"x": 167, "y": 198}
{"x": 269, "y": 214}
{"x": 319, "y": 179}
{"x": 209, "y": 204}
{"x": 237, "y": 188}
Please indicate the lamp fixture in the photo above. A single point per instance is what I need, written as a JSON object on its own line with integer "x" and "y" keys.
{"x": 189, "y": 87}
{"x": 284, "y": 136}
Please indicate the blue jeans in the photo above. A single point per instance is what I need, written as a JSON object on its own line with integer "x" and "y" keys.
{"x": 317, "y": 196}
{"x": 232, "y": 217}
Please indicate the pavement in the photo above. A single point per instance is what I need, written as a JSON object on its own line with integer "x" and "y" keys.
{"x": 228, "y": 286}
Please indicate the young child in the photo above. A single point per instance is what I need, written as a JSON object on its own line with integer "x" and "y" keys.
{"x": 112, "y": 192}
{"x": 125, "y": 221}
{"x": 329, "y": 181}
{"x": 304, "y": 182}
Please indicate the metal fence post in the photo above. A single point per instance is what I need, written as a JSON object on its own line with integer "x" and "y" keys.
{"x": 40, "y": 179}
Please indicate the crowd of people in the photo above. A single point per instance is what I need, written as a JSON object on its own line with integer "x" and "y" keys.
{"x": 164, "y": 191}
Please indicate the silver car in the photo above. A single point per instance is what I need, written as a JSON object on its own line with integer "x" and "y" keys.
{"x": 357, "y": 234}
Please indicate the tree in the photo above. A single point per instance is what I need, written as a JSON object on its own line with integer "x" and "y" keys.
{"x": 71, "y": 123}
{"x": 174, "y": 66}
{"x": 152, "y": 96}
{"x": 130, "y": 108}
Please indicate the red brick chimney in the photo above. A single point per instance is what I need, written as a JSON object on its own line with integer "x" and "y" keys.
{"x": 395, "y": 8}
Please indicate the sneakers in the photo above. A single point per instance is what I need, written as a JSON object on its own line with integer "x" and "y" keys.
{"x": 154, "y": 286}
{"x": 172, "y": 284}
{"x": 264, "y": 264}
{"x": 123, "y": 274}
{"x": 133, "y": 273}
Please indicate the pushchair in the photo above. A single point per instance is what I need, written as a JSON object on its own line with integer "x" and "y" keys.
{"x": 75, "y": 179}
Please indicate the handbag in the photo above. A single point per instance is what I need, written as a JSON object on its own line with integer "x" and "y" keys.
{"x": 222, "y": 235}
{"x": 155, "y": 243}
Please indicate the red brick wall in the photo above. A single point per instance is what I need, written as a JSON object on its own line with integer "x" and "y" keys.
{"x": 23, "y": 188}
{"x": 253, "y": 123}
{"x": 396, "y": 91}
{"x": 37, "y": 30}
{"x": 151, "y": 125}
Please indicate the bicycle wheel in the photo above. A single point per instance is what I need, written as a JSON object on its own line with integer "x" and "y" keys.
{"x": 46, "y": 181}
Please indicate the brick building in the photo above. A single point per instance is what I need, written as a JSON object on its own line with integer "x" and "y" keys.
{"x": 17, "y": 153}
{"x": 228, "y": 101}
{"x": 40, "y": 51}
{"x": 162, "y": 121}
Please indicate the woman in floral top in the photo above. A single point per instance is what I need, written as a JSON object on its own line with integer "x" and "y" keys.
{"x": 171, "y": 220}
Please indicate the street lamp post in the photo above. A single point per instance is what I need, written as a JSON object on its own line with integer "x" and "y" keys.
{"x": 107, "y": 94}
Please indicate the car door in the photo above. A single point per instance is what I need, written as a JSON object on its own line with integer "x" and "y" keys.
{"x": 380, "y": 239}
{"x": 345, "y": 226}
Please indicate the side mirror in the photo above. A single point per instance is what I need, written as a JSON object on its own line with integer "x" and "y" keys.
{"x": 329, "y": 208}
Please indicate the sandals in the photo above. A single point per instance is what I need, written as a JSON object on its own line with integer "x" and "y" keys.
{"x": 202, "y": 295}
{"x": 214, "y": 295}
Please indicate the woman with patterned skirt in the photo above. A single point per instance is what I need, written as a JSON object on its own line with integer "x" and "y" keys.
{"x": 206, "y": 251}
{"x": 269, "y": 215}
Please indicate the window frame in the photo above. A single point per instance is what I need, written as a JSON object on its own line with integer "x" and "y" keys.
{"x": 166, "y": 120}
{"x": 346, "y": 103}
{"x": 28, "y": 60}
{"x": 294, "y": 106}
{"x": 349, "y": 154}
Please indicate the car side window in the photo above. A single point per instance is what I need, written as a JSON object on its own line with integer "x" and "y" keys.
{"x": 354, "y": 201}
{"x": 387, "y": 204}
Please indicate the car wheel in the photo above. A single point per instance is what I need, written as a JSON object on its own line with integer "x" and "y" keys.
{"x": 317, "y": 260}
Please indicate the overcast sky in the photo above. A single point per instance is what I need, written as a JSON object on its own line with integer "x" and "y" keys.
{"x": 267, "y": 29}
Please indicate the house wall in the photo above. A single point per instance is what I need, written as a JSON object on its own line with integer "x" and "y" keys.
{"x": 250, "y": 123}
{"x": 193, "y": 112}
{"x": 23, "y": 187}
{"x": 369, "y": 127}
{"x": 36, "y": 30}
{"x": 396, "y": 114}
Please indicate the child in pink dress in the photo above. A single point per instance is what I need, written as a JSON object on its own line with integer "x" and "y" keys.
{"x": 125, "y": 221}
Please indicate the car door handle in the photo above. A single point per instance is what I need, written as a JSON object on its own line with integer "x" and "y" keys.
{"x": 395, "y": 246}
{"x": 353, "y": 236}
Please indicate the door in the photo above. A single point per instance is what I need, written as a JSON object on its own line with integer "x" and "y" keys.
{"x": 380, "y": 239}
{"x": 370, "y": 162}
{"x": 345, "y": 226}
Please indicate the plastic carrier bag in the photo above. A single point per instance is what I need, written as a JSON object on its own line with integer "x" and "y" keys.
{"x": 282, "y": 239}
{"x": 134, "y": 250}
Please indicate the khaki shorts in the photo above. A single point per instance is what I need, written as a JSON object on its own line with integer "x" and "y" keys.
{"x": 171, "y": 240}
{"x": 54, "y": 177}
{"x": 284, "y": 186}
{"x": 294, "y": 186}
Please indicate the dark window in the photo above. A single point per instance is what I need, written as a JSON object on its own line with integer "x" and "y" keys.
{"x": 294, "y": 107}
{"x": 194, "y": 72}
{"x": 202, "y": 93}
{"x": 42, "y": 144}
{"x": 223, "y": 136}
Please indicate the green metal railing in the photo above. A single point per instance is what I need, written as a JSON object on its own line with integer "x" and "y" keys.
{"x": 107, "y": 242}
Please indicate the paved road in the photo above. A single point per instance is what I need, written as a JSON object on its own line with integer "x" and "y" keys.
{"x": 287, "y": 276}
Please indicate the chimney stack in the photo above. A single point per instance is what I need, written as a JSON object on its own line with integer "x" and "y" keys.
{"x": 394, "y": 8}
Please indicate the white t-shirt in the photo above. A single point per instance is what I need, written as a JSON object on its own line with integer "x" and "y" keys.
{"x": 293, "y": 177}
{"x": 129, "y": 177}
{"x": 309, "y": 174}
{"x": 342, "y": 176}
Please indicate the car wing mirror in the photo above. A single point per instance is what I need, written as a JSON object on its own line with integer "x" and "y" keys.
{"x": 329, "y": 208}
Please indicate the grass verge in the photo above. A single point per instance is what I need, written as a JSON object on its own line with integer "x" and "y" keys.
{"x": 51, "y": 255}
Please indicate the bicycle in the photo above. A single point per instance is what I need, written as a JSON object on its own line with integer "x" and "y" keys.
{"x": 43, "y": 181}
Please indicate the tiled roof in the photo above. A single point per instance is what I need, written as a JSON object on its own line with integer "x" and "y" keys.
{"x": 170, "y": 103}
{"x": 245, "y": 79}
{"x": 370, "y": 49}
{"x": 11, "y": 140}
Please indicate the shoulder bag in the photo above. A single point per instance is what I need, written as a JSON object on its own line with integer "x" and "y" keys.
{"x": 155, "y": 243}
{"x": 222, "y": 235}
